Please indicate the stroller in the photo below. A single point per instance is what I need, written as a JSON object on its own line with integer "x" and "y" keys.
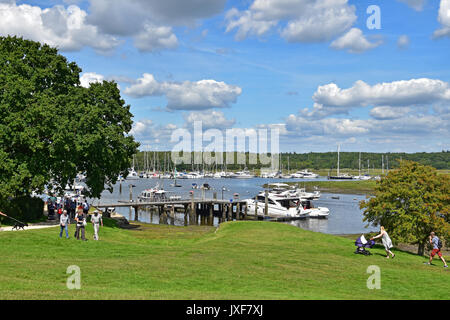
{"x": 361, "y": 243}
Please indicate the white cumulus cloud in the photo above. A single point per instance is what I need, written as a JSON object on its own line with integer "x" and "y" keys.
{"x": 90, "y": 77}
{"x": 354, "y": 41}
{"x": 330, "y": 99}
{"x": 199, "y": 95}
{"x": 211, "y": 119}
{"x": 65, "y": 28}
{"x": 305, "y": 20}
{"x": 444, "y": 20}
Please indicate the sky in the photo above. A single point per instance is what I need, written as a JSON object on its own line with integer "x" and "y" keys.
{"x": 323, "y": 72}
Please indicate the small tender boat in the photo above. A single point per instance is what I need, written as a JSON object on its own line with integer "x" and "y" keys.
{"x": 319, "y": 212}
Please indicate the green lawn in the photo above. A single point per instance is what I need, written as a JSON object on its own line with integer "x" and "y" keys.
{"x": 241, "y": 260}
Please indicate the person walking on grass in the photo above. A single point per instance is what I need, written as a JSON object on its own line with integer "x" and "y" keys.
{"x": 387, "y": 243}
{"x": 96, "y": 220}
{"x": 436, "y": 244}
{"x": 81, "y": 225}
{"x": 64, "y": 222}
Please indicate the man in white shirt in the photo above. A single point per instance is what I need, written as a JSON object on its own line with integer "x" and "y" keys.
{"x": 96, "y": 220}
{"x": 64, "y": 222}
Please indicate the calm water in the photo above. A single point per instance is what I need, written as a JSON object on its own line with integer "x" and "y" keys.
{"x": 345, "y": 215}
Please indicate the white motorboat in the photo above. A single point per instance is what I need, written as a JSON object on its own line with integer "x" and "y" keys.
{"x": 243, "y": 175}
{"x": 153, "y": 194}
{"x": 193, "y": 175}
{"x": 278, "y": 207}
{"x": 282, "y": 190}
{"x": 301, "y": 192}
{"x": 319, "y": 212}
{"x": 270, "y": 175}
{"x": 219, "y": 175}
{"x": 364, "y": 178}
{"x": 308, "y": 174}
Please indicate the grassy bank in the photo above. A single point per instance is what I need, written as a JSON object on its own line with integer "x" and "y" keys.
{"x": 347, "y": 187}
{"x": 241, "y": 260}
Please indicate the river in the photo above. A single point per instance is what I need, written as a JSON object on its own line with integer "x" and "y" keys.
{"x": 345, "y": 215}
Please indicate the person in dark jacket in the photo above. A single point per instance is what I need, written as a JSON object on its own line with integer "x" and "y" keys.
{"x": 80, "y": 218}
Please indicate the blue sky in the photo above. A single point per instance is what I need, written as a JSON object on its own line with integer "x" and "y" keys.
{"x": 293, "y": 64}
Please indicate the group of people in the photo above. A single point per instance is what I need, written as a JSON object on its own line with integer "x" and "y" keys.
{"x": 69, "y": 204}
{"x": 81, "y": 218}
{"x": 433, "y": 240}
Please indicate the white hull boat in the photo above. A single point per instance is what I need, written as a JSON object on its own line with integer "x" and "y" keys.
{"x": 276, "y": 207}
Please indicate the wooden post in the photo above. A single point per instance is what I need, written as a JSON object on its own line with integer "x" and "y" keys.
{"x": 230, "y": 212}
{"x": 164, "y": 209}
{"x": 245, "y": 211}
{"x": 211, "y": 215}
{"x": 131, "y": 195}
{"x": 238, "y": 211}
{"x": 197, "y": 213}
{"x": 224, "y": 213}
{"x": 136, "y": 213}
{"x": 266, "y": 208}
{"x": 186, "y": 215}
{"x": 172, "y": 214}
{"x": 193, "y": 211}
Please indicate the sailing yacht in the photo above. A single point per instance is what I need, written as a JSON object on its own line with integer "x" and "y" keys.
{"x": 132, "y": 174}
{"x": 340, "y": 176}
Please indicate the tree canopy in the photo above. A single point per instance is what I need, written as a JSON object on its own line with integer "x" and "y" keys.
{"x": 410, "y": 202}
{"x": 52, "y": 128}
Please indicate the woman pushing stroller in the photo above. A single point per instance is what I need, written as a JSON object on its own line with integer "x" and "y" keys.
{"x": 387, "y": 243}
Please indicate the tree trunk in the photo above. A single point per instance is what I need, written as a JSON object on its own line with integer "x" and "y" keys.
{"x": 421, "y": 249}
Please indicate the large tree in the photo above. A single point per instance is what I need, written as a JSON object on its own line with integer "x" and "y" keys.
{"x": 410, "y": 202}
{"x": 52, "y": 128}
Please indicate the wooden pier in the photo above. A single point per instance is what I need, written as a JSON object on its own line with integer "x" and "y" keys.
{"x": 197, "y": 211}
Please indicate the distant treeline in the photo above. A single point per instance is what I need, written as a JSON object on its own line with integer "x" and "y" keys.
{"x": 297, "y": 161}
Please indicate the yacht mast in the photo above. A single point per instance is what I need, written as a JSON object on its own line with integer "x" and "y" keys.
{"x": 339, "y": 147}
{"x": 360, "y": 164}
